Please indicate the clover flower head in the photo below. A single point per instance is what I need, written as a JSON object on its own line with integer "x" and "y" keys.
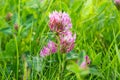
{"x": 59, "y": 21}
{"x": 67, "y": 41}
{"x": 117, "y": 3}
{"x": 49, "y": 49}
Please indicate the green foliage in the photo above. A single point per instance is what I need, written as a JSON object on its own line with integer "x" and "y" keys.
{"x": 10, "y": 48}
{"x": 96, "y": 23}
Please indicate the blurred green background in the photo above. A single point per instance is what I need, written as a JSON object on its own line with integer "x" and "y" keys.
{"x": 24, "y": 31}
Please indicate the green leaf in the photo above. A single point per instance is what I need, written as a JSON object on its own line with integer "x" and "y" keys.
{"x": 71, "y": 55}
{"x": 84, "y": 72}
{"x": 81, "y": 57}
{"x": 77, "y": 5}
{"x": 64, "y": 6}
{"x": 94, "y": 71}
{"x": 10, "y": 48}
{"x": 32, "y": 4}
{"x": 73, "y": 67}
{"x": 87, "y": 9}
{"x": 102, "y": 7}
{"x": 97, "y": 59}
{"x": 37, "y": 63}
{"x": 117, "y": 52}
{"x": 6, "y": 30}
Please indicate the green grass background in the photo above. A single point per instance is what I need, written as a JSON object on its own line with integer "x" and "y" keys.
{"x": 96, "y": 23}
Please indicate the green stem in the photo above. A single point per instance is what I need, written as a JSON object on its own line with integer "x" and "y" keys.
{"x": 17, "y": 56}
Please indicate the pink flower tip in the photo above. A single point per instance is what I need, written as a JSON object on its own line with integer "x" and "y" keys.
{"x": 85, "y": 63}
{"x": 87, "y": 59}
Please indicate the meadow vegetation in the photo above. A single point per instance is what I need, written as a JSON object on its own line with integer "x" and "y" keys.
{"x": 25, "y": 30}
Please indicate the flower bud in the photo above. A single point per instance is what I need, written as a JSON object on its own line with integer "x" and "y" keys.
{"x": 16, "y": 26}
{"x": 85, "y": 63}
{"x": 9, "y": 16}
